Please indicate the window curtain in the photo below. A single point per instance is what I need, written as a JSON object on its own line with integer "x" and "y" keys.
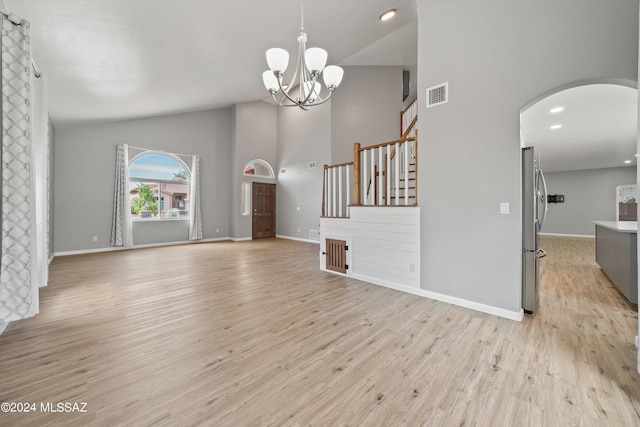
{"x": 195, "y": 211}
{"x": 121, "y": 229}
{"x": 40, "y": 138}
{"x": 18, "y": 283}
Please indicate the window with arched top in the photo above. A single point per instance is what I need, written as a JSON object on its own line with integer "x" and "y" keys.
{"x": 259, "y": 168}
{"x": 158, "y": 186}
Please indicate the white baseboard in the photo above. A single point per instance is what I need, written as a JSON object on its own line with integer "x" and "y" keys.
{"x": 585, "y": 236}
{"x": 3, "y": 326}
{"x": 149, "y": 245}
{"x": 483, "y": 308}
{"x": 299, "y": 239}
{"x": 51, "y": 258}
{"x": 240, "y": 239}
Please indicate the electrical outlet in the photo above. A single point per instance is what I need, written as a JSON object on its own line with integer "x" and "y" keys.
{"x": 504, "y": 208}
{"x": 298, "y": 230}
{"x": 217, "y": 230}
{"x": 95, "y": 238}
{"x": 412, "y": 267}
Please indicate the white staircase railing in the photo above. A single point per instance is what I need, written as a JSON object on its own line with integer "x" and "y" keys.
{"x": 337, "y": 190}
{"x": 408, "y": 119}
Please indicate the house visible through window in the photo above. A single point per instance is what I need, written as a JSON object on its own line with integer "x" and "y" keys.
{"x": 158, "y": 186}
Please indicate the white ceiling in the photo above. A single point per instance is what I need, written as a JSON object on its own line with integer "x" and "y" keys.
{"x": 599, "y": 128}
{"x": 116, "y": 59}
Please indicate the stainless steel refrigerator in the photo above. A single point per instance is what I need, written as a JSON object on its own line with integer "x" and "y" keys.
{"x": 534, "y": 212}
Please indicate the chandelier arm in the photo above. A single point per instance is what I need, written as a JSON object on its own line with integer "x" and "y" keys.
{"x": 285, "y": 93}
{"x": 322, "y": 101}
{"x": 312, "y": 88}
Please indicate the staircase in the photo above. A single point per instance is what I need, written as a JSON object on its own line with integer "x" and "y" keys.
{"x": 380, "y": 175}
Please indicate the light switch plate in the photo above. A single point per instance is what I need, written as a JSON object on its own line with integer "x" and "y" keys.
{"x": 504, "y": 208}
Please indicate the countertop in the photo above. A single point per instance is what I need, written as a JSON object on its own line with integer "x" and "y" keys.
{"x": 621, "y": 226}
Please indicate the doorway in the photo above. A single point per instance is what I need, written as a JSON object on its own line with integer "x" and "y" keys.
{"x": 263, "y": 200}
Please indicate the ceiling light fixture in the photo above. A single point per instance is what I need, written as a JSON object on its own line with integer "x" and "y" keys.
{"x": 556, "y": 110}
{"x": 388, "y": 15}
{"x": 554, "y": 127}
{"x": 309, "y": 65}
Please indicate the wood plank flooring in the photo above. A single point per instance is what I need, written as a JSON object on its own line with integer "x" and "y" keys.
{"x": 253, "y": 334}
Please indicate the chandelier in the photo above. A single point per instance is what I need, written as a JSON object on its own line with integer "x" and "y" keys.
{"x": 303, "y": 90}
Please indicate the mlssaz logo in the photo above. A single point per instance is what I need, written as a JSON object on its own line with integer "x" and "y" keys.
{"x": 63, "y": 407}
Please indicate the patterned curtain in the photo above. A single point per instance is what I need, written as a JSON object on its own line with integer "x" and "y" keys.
{"x": 195, "y": 211}
{"x": 18, "y": 292}
{"x": 121, "y": 230}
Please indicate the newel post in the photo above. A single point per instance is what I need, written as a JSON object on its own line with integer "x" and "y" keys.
{"x": 356, "y": 174}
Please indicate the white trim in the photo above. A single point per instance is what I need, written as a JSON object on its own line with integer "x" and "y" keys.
{"x": 157, "y": 219}
{"x": 299, "y": 239}
{"x": 496, "y": 311}
{"x": 240, "y": 239}
{"x": 583, "y": 236}
{"x": 51, "y": 258}
{"x": 3, "y": 326}
{"x": 149, "y": 245}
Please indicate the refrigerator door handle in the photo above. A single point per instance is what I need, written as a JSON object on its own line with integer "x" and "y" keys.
{"x": 543, "y": 198}
{"x": 540, "y": 253}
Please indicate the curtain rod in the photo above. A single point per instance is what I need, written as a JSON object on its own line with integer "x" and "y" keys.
{"x": 18, "y": 21}
{"x": 159, "y": 151}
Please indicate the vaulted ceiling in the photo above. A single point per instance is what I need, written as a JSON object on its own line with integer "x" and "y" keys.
{"x": 117, "y": 59}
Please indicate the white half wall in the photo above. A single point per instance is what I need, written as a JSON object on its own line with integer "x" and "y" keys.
{"x": 384, "y": 243}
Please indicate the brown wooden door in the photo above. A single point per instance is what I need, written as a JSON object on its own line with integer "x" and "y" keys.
{"x": 264, "y": 210}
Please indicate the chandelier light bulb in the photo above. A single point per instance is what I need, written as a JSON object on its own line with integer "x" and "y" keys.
{"x": 277, "y": 59}
{"x": 316, "y": 59}
{"x": 332, "y": 76}
{"x": 270, "y": 81}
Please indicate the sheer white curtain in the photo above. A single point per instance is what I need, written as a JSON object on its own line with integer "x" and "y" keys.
{"x": 40, "y": 136}
{"x": 195, "y": 211}
{"x": 18, "y": 283}
{"x": 121, "y": 228}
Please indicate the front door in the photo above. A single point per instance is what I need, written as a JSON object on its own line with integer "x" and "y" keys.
{"x": 264, "y": 210}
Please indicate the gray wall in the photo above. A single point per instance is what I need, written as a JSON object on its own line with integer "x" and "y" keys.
{"x": 254, "y": 136}
{"x": 366, "y": 109}
{"x": 303, "y": 137}
{"x": 497, "y": 56}
{"x": 84, "y": 176}
{"x": 589, "y": 195}
{"x": 51, "y": 179}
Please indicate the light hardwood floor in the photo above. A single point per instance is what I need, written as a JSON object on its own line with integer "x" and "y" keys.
{"x": 252, "y": 333}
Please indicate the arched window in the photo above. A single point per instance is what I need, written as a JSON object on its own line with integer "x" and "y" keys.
{"x": 158, "y": 186}
{"x": 260, "y": 168}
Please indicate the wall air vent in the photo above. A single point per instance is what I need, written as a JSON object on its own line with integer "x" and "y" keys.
{"x": 312, "y": 165}
{"x": 314, "y": 234}
{"x": 437, "y": 95}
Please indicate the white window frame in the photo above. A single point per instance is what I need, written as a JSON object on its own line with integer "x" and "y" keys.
{"x": 142, "y": 180}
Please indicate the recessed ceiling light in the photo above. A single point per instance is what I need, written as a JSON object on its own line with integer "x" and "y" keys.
{"x": 627, "y": 161}
{"x": 554, "y": 127}
{"x": 556, "y": 109}
{"x": 388, "y": 15}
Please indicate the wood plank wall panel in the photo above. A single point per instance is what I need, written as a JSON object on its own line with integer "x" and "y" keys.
{"x": 385, "y": 243}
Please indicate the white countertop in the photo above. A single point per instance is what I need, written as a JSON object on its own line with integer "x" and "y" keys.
{"x": 621, "y": 226}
